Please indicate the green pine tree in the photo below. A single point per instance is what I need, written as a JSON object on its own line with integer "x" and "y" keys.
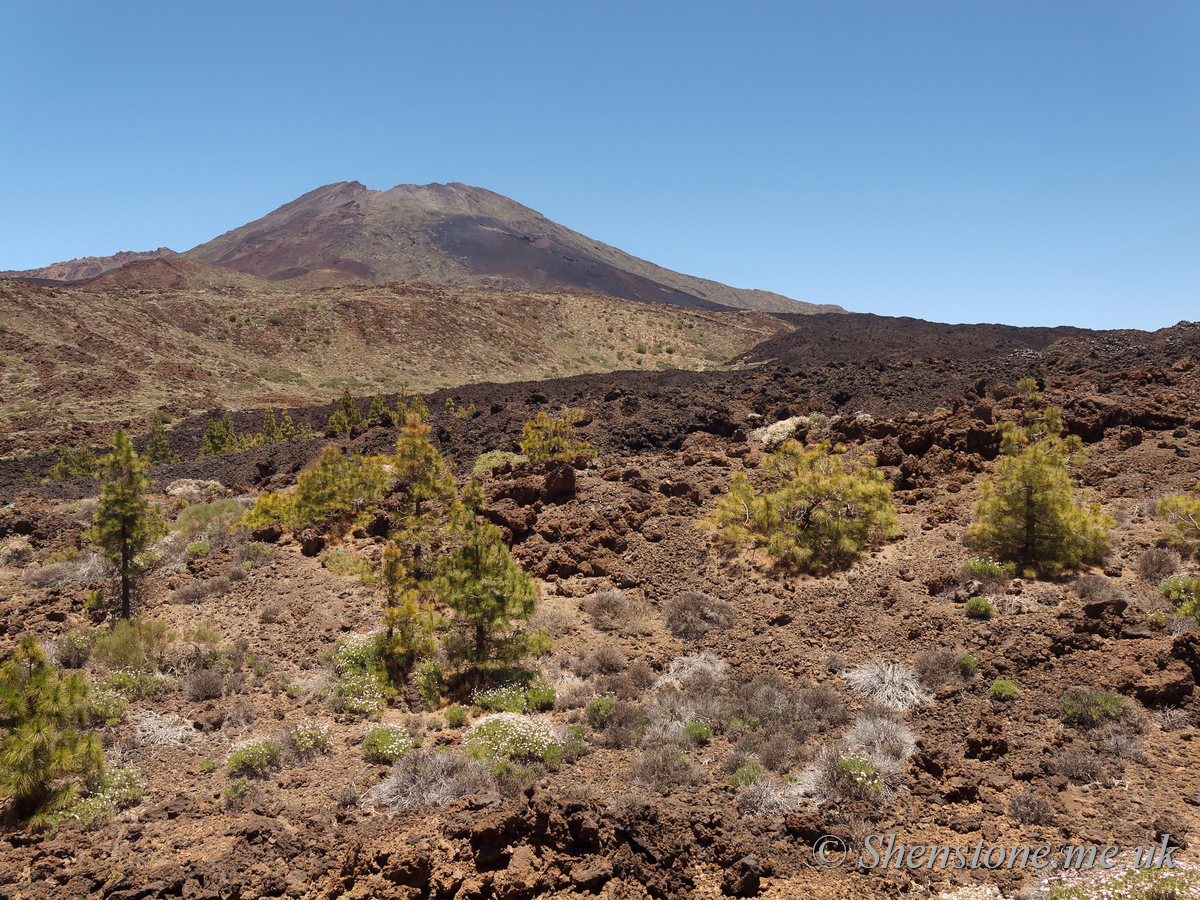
{"x": 125, "y": 523}
{"x": 42, "y": 747}
{"x": 490, "y": 595}
{"x": 346, "y": 417}
{"x": 157, "y": 449}
{"x": 419, "y": 467}
{"x": 545, "y": 438}
{"x": 73, "y": 463}
{"x": 408, "y": 620}
{"x": 1028, "y": 513}
{"x": 822, "y": 514}
{"x": 379, "y": 410}
{"x": 219, "y": 437}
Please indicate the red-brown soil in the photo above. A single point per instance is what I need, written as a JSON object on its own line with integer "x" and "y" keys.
{"x": 669, "y": 443}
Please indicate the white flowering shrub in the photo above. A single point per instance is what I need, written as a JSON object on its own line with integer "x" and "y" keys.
{"x": 358, "y": 665}
{"x": 386, "y": 744}
{"x": 113, "y": 791}
{"x": 511, "y": 736}
{"x": 1125, "y": 881}
{"x": 254, "y": 758}
{"x": 510, "y": 699}
{"x": 306, "y": 740}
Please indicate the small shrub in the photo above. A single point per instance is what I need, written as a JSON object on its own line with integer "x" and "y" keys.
{"x": 197, "y": 549}
{"x": 888, "y": 684}
{"x": 1178, "y": 589}
{"x": 1087, "y": 709}
{"x": 600, "y": 710}
{"x": 982, "y": 568}
{"x": 1076, "y": 764}
{"x": 510, "y": 736}
{"x": 132, "y": 684}
{"x": 509, "y": 699}
{"x": 1029, "y": 808}
{"x": 307, "y": 740}
{"x": 341, "y": 562}
{"x": 239, "y": 791}
{"x": 747, "y": 775}
{"x": 204, "y": 684}
{"x": 692, "y": 614}
{"x": 456, "y": 716}
{"x": 611, "y": 610}
{"x": 699, "y": 733}
{"x": 1156, "y": 564}
{"x": 1004, "y": 690}
{"x": 106, "y": 708}
{"x": 75, "y": 649}
{"x": 254, "y": 759}
{"x": 823, "y": 704}
{"x": 431, "y": 682}
{"x": 494, "y": 459}
{"x": 885, "y": 741}
{"x": 967, "y": 664}
{"x": 980, "y": 608}
{"x": 273, "y": 613}
{"x": 1096, "y": 588}
{"x": 540, "y": 697}
{"x": 428, "y": 778}
{"x": 768, "y": 798}
{"x": 936, "y": 667}
{"x": 604, "y": 660}
{"x": 663, "y": 768}
{"x": 857, "y": 777}
{"x": 207, "y": 767}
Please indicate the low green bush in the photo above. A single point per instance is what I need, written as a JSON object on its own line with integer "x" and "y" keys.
{"x": 254, "y": 759}
{"x": 1087, "y": 709}
{"x": 1004, "y": 690}
{"x": 698, "y": 732}
{"x": 967, "y": 664}
{"x": 980, "y": 608}
{"x": 747, "y": 775}
{"x": 599, "y": 711}
{"x": 456, "y": 716}
{"x": 386, "y": 744}
{"x": 982, "y": 567}
{"x": 512, "y": 736}
{"x": 308, "y": 739}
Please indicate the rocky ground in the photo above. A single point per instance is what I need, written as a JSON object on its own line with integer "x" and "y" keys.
{"x": 602, "y": 824}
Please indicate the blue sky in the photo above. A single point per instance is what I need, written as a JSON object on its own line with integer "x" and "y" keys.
{"x": 1033, "y": 163}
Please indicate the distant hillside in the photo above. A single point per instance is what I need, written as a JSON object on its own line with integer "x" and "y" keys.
{"x": 87, "y": 267}
{"x": 181, "y": 336}
{"x": 459, "y": 236}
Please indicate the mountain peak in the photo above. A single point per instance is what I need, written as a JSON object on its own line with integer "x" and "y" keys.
{"x": 462, "y": 236}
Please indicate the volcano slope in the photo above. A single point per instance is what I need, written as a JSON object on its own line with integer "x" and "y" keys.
{"x": 637, "y": 810}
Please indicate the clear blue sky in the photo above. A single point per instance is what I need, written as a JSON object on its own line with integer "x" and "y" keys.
{"x": 1034, "y": 163}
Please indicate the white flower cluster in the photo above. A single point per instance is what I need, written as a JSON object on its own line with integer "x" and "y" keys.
{"x": 307, "y": 738}
{"x": 386, "y": 744}
{"x": 509, "y": 699}
{"x": 511, "y": 736}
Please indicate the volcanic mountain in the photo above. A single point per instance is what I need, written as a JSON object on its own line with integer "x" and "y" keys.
{"x": 459, "y": 236}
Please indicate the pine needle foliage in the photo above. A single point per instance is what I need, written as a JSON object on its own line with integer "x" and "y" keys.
{"x": 74, "y": 463}
{"x": 487, "y": 590}
{"x": 1028, "y": 512}
{"x": 337, "y": 487}
{"x": 822, "y": 514}
{"x": 42, "y": 745}
{"x": 126, "y": 523}
{"x": 219, "y": 437}
{"x": 419, "y": 467}
{"x": 346, "y": 417}
{"x": 545, "y": 438}
{"x": 157, "y": 449}
{"x": 408, "y": 620}
{"x": 1182, "y": 515}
